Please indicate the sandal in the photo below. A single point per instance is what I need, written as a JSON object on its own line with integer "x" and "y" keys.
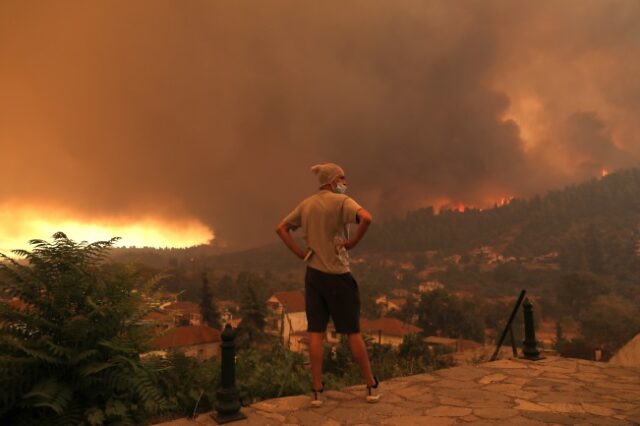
{"x": 373, "y": 395}
{"x": 317, "y": 400}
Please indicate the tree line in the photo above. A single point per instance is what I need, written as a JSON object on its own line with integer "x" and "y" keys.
{"x": 593, "y": 226}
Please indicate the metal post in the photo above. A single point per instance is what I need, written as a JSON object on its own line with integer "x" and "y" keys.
{"x": 529, "y": 345}
{"x": 513, "y": 343}
{"x": 227, "y": 397}
{"x": 506, "y": 329}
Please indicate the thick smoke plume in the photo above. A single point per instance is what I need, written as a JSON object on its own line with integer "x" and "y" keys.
{"x": 216, "y": 110}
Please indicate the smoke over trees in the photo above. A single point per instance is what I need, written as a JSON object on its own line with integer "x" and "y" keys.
{"x": 215, "y": 111}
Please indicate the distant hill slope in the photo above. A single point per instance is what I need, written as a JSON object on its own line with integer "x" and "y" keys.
{"x": 590, "y": 223}
{"x": 593, "y": 226}
{"x": 272, "y": 257}
{"x": 269, "y": 257}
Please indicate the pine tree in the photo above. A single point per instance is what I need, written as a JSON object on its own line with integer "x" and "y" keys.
{"x": 208, "y": 309}
{"x": 253, "y": 313}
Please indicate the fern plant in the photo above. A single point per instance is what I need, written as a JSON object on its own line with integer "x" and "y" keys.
{"x": 69, "y": 339}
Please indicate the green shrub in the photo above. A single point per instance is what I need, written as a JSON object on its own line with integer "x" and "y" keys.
{"x": 70, "y": 355}
{"x": 271, "y": 372}
{"x": 189, "y": 384}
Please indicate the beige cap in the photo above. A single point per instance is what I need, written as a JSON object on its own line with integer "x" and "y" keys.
{"x": 327, "y": 172}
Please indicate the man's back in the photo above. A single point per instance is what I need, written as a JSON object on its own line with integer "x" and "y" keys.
{"x": 323, "y": 219}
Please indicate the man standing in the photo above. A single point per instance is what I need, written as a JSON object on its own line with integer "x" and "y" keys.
{"x": 330, "y": 289}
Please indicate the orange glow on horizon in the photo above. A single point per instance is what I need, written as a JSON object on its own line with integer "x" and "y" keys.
{"x": 604, "y": 172}
{"x": 20, "y": 224}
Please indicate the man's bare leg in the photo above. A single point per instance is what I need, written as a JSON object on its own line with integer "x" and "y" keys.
{"x": 359, "y": 352}
{"x": 316, "y": 352}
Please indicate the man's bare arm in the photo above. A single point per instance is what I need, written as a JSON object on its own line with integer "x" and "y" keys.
{"x": 364, "y": 220}
{"x": 283, "y": 231}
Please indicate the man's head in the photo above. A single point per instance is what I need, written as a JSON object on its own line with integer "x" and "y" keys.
{"x": 330, "y": 176}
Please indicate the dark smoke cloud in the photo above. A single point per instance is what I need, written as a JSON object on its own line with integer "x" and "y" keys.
{"x": 216, "y": 110}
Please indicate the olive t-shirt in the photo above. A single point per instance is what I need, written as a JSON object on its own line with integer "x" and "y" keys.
{"x": 323, "y": 220}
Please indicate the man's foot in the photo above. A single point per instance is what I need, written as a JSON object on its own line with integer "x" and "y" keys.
{"x": 318, "y": 399}
{"x": 373, "y": 393}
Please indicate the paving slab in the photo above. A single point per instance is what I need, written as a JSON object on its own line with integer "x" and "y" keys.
{"x": 554, "y": 391}
{"x": 495, "y": 413}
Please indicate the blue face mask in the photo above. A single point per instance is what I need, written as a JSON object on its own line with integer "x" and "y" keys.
{"x": 341, "y": 188}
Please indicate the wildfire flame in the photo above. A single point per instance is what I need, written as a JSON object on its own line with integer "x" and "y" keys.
{"x": 604, "y": 172}
{"x": 460, "y": 207}
{"x": 504, "y": 201}
{"x": 19, "y": 224}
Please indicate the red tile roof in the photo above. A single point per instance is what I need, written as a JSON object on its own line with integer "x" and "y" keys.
{"x": 184, "y": 307}
{"x": 398, "y": 302}
{"x": 293, "y": 300}
{"x": 15, "y": 302}
{"x": 157, "y": 316}
{"x": 388, "y": 326}
{"x": 187, "y": 336}
{"x": 228, "y": 304}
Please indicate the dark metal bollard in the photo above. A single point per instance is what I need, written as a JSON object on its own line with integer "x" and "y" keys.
{"x": 227, "y": 397}
{"x": 530, "y": 344}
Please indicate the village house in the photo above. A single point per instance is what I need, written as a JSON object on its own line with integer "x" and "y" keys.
{"x": 197, "y": 341}
{"x": 455, "y": 345}
{"x": 461, "y": 294}
{"x": 454, "y": 259}
{"x": 430, "y": 270}
{"x": 428, "y": 286}
{"x": 396, "y": 304}
{"x": 160, "y": 320}
{"x": 382, "y": 300}
{"x": 286, "y": 316}
{"x": 388, "y": 305}
{"x": 463, "y": 351}
{"x": 227, "y": 309}
{"x": 387, "y": 330}
{"x": 184, "y": 313}
{"x": 384, "y": 331}
{"x": 164, "y": 299}
{"x": 299, "y": 342}
{"x": 15, "y": 303}
{"x": 400, "y": 292}
{"x": 407, "y": 266}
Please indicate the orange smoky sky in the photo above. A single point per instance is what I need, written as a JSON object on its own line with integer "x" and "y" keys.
{"x": 205, "y": 114}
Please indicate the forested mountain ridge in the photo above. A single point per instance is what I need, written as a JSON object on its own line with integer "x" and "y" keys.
{"x": 593, "y": 225}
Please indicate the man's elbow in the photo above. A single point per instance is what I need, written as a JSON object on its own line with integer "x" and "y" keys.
{"x": 282, "y": 229}
{"x": 365, "y": 217}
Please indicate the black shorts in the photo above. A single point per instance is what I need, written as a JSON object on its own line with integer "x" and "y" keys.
{"x": 334, "y": 295}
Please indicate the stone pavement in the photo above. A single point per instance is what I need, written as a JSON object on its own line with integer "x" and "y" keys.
{"x": 553, "y": 391}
